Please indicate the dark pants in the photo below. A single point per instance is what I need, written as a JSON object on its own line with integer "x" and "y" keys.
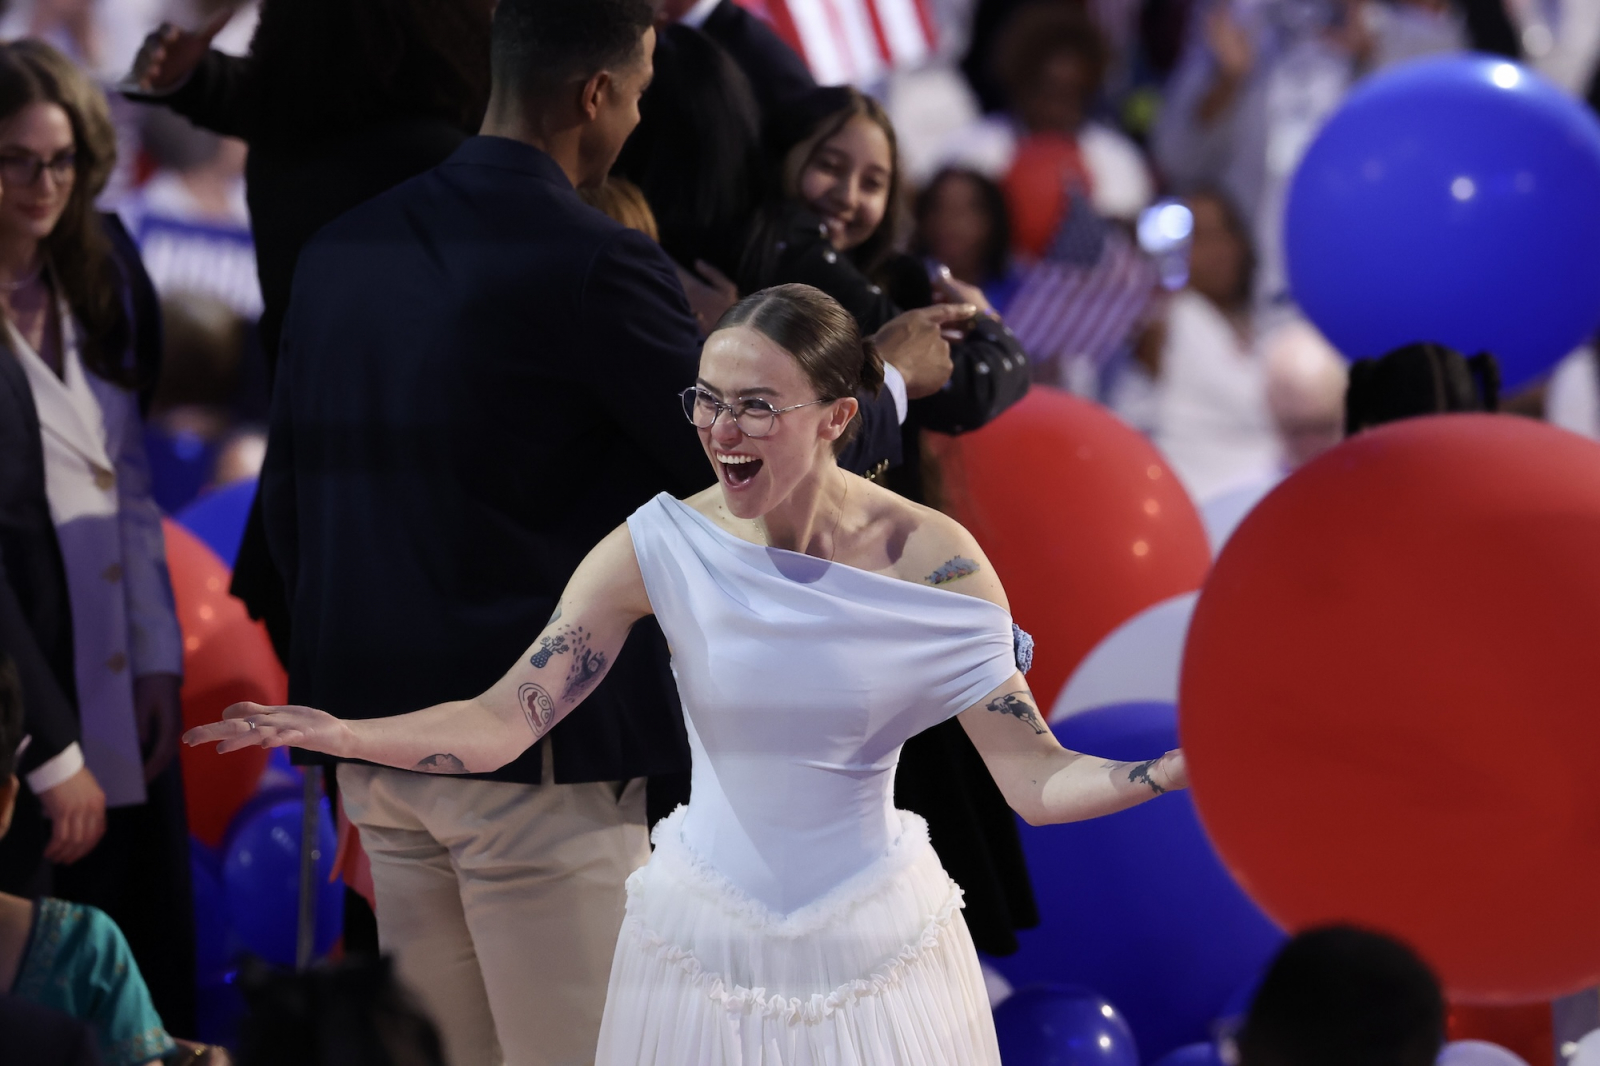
{"x": 138, "y": 874}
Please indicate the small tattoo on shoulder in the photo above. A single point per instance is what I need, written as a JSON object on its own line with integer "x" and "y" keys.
{"x": 1140, "y": 775}
{"x": 1018, "y": 706}
{"x": 958, "y": 567}
{"x": 554, "y": 644}
{"x": 443, "y": 763}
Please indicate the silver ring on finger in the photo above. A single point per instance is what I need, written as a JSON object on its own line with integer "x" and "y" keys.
{"x": 251, "y": 722}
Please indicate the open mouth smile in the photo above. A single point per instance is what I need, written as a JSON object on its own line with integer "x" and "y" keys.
{"x": 737, "y": 470}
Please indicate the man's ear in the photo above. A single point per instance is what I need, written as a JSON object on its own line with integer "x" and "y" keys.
{"x": 593, "y": 94}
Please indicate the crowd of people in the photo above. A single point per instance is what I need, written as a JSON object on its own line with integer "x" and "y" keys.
{"x": 434, "y": 272}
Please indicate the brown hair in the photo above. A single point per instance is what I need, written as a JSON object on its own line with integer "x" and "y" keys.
{"x": 821, "y": 336}
{"x": 622, "y": 201}
{"x": 849, "y": 103}
{"x": 78, "y": 251}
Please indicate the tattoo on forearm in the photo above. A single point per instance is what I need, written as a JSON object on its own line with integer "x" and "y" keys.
{"x": 1140, "y": 775}
{"x": 958, "y": 567}
{"x": 587, "y": 665}
{"x": 1020, "y": 707}
{"x": 537, "y": 707}
{"x": 442, "y": 763}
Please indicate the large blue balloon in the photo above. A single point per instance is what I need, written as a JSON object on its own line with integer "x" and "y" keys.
{"x": 261, "y": 876}
{"x": 218, "y": 518}
{"x": 1057, "y": 1025}
{"x": 1137, "y": 905}
{"x": 1204, "y": 1054}
{"x": 1454, "y": 200}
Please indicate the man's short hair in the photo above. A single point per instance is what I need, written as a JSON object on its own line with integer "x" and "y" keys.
{"x": 541, "y": 46}
{"x": 1339, "y": 996}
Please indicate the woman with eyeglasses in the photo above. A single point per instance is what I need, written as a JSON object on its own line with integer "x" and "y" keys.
{"x": 789, "y": 914}
{"x": 93, "y": 578}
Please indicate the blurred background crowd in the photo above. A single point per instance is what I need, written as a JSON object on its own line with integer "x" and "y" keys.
{"x": 1111, "y": 173}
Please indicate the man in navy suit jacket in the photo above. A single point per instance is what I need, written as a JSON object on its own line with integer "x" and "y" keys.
{"x": 478, "y": 381}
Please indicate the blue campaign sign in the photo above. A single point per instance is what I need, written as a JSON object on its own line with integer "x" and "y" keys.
{"x": 216, "y": 261}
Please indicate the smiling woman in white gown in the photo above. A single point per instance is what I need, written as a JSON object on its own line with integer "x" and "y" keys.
{"x": 790, "y": 916}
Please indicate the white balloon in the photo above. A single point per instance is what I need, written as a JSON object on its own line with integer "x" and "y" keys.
{"x": 1587, "y": 1050}
{"x": 1477, "y": 1053}
{"x": 1137, "y": 662}
{"x": 1222, "y": 513}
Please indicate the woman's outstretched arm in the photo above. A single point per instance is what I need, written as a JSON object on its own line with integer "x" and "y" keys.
{"x": 1046, "y": 783}
{"x": 605, "y": 597}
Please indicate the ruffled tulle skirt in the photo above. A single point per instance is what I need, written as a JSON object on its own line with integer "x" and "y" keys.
{"x": 878, "y": 972}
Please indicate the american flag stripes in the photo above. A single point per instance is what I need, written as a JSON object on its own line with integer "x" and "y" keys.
{"x": 853, "y": 41}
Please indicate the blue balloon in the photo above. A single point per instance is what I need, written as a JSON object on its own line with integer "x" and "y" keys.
{"x": 1454, "y": 200}
{"x": 1058, "y": 1025}
{"x": 212, "y": 951}
{"x": 261, "y": 877}
{"x": 218, "y": 518}
{"x": 1137, "y": 904}
{"x": 180, "y": 465}
{"x": 1204, "y": 1054}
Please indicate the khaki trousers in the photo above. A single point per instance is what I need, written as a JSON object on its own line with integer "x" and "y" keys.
{"x": 501, "y": 903}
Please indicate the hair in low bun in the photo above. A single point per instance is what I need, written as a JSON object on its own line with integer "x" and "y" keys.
{"x": 821, "y": 336}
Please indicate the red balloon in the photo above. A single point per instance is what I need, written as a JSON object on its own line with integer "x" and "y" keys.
{"x": 226, "y": 658}
{"x": 1084, "y": 522}
{"x": 1389, "y": 700}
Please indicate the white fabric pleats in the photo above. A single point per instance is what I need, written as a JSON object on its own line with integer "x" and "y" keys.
{"x": 880, "y": 971}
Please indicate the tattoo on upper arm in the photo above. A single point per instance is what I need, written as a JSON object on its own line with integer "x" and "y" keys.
{"x": 958, "y": 567}
{"x": 537, "y": 707}
{"x": 443, "y": 763}
{"x": 1140, "y": 775}
{"x": 587, "y": 665}
{"x": 1018, "y": 705}
{"x": 553, "y": 644}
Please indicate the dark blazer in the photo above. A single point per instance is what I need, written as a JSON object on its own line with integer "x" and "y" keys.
{"x": 35, "y": 612}
{"x": 477, "y": 382}
{"x": 776, "y": 72}
{"x": 31, "y": 1035}
{"x": 293, "y": 191}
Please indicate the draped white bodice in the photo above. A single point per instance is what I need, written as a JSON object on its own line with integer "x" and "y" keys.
{"x": 800, "y": 681}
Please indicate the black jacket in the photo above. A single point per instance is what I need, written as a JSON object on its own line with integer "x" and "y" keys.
{"x": 478, "y": 381}
{"x": 777, "y": 74}
{"x": 35, "y": 612}
{"x": 31, "y": 1035}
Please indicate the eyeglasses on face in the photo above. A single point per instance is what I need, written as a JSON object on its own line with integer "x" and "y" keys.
{"x": 755, "y": 417}
{"x": 20, "y": 168}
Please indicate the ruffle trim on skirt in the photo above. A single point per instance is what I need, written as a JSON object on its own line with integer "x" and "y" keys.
{"x": 739, "y": 999}
{"x": 880, "y": 971}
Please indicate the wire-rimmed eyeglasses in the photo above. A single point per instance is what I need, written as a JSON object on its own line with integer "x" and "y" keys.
{"x": 755, "y": 417}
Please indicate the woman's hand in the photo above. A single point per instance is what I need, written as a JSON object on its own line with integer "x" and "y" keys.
{"x": 250, "y": 725}
{"x": 948, "y": 289}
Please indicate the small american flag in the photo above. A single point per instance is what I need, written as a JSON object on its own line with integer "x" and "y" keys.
{"x": 853, "y": 41}
{"x": 1082, "y": 303}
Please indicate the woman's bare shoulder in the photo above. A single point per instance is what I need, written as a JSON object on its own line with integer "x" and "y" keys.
{"x": 928, "y": 547}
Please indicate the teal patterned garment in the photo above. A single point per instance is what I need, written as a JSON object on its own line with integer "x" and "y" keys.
{"x": 78, "y": 963}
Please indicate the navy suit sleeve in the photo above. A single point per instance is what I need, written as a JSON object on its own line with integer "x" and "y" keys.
{"x": 48, "y": 715}
{"x": 877, "y": 441}
{"x": 644, "y": 349}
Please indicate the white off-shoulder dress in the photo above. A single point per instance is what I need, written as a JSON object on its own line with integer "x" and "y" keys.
{"x": 790, "y": 915}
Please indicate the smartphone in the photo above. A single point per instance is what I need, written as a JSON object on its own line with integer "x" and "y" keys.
{"x": 1165, "y": 229}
